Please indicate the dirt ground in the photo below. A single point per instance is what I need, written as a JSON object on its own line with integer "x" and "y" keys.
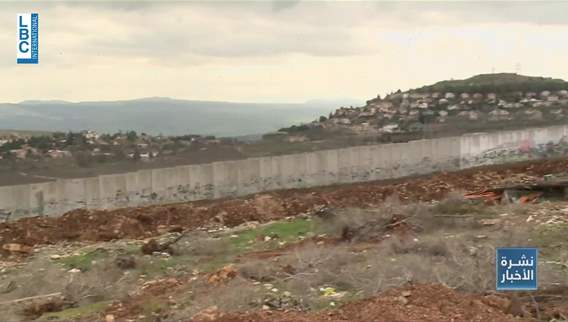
{"x": 410, "y": 303}
{"x": 410, "y": 249}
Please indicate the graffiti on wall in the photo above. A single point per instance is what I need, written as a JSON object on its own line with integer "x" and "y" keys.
{"x": 526, "y": 149}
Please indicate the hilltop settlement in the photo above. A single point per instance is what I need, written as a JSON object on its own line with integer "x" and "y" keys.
{"x": 478, "y": 103}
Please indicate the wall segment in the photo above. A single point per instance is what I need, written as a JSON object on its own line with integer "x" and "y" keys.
{"x": 319, "y": 168}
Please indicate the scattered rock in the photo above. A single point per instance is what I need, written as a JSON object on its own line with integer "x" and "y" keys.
{"x": 35, "y": 310}
{"x": 209, "y": 314}
{"x": 403, "y": 300}
{"x": 490, "y": 222}
{"x": 530, "y": 218}
{"x": 9, "y": 288}
{"x": 152, "y": 246}
{"x": 125, "y": 261}
{"x": 289, "y": 269}
{"x": 280, "y": 301}
{"x": 17, "y": 248}
{"x": 226, "y": 273}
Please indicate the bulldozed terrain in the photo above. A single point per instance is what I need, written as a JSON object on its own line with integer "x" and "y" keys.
{"x": 401, "y": 250}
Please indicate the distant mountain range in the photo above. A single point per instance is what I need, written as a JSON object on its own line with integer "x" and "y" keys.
{"x": 166, "y": 116}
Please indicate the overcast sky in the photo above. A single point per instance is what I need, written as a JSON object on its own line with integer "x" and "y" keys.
{"x": 274, "y": 51}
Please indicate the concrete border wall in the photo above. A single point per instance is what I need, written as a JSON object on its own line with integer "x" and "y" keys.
{"x": 319, "y": 168}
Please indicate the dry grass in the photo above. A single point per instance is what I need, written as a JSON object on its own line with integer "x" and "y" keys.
{"x": 371, "y": 224}
{"x": 358, "y": 225}
{"x": 456, "y": 265}
{"x": 238, "y": 294}
{"x": 104, "y": 281}
{"x": 201, "y": 244}
{"x": 258, "y": 270}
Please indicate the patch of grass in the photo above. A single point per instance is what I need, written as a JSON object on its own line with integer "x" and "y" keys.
{"x": 76, "y": 313}
{"x": 284, "y": 231}
{"x": 83, "y": 261}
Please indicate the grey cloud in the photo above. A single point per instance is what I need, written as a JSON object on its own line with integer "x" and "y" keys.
{"x": 185, "y": 31}
{"x": 537, "y": 12}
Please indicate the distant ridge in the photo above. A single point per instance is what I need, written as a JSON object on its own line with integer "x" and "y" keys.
{"x": 35, "y": 102}
{"x": 501, "y": 82}
{"x": 161, "y": 115}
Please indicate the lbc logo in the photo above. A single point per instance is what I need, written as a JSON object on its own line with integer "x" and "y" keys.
{"x": 28, "y": 38}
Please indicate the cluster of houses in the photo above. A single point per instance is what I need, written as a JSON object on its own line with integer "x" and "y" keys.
{"x": 93, "y": 144}
{"x": 411, "y": 111}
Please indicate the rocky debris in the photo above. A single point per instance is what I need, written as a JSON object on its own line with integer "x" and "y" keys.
{"x": 211, "y": 313}
{"x": 35, "y": 310}
{"x": 551, "y": 215}
{"x": 125, "y": 261}
{"x": 490, "y": 222}
{"x": 163, "y": 229}
{"x": 160, "y": 286}
{"x": 17, "y": 248}
{"x": 223, "y": 275}
{"x": 9, "y": 287}
{"x": 417, "y": 302}
{"x": 152, "y": 246}
{"x": 282, "y": 301}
